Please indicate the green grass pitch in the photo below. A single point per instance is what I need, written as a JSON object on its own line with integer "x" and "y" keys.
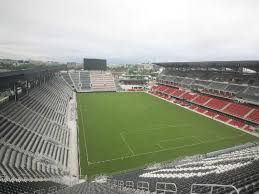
{"x": 122, "y": 131}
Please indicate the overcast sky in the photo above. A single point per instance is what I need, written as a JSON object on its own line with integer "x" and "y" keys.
{"x": 128, "y": 31}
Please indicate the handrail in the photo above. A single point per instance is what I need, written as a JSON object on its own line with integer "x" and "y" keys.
{"x": 212, "y": 186}
{"x": 164, "y": 188}
{"x": 143, "y": 185}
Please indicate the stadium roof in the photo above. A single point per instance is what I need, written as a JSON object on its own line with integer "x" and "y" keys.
{"x": 10, "y": 77}
{"x": 216, "y": 64}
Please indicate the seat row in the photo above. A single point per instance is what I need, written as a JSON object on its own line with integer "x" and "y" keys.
{"x": 232, "y": 108}
{"x": 34, "y": 140}
{"x": 224, "y": 89}
{"x": 90, "y": 81}
{"x": 238, "y": 167}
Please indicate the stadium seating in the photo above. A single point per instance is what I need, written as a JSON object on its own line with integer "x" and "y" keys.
{"x": 178, "y": 93}
{"x": 201, "y": 83}
{"x": 252, "y": 91}
{"x": 225, "y": 106}
{"x": 75, "y": 77}
{"x": 211, "y": 114}
{"x": 178, "y": 80}
{"x": 201, "y": 110}
{"x": 189, "y": 96}
{"x": 67, "y": 78}
{"x": 235, "y": 88}
{"x": 222, "y": 118}
{"x": 248, "y": 128}
{"x": 216, "y": 104}
{"x": 201, "y": 100}
{"x": 187, "y": 81}
{"x": 169, "y": 91}
{"x": 193, "y": 107}
{"x": 98, "y": 188}
{"x": 162, "y": 88}
{"x": 85, "y": 80}
{"x": 34, "y": 138}
{"x": 237, "y": 109}
{"x": 237, "y": 123}
{"x": 218, "y": 86}
{"x": 251, "y": 94}
{"x": 29, "y": 187}
{"x": 236, "y": 166}
{"x": 254, "y": 116}
{"x": 102, "y": 81}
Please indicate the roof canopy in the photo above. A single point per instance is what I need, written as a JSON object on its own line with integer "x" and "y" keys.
{"x": 254, "y": 65}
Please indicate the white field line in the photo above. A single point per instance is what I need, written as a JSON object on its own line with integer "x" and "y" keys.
{"x": 154, "y": 128}
{"x": 168, "y": 149}
{"x": 159, "y": 145}
{"x": 198, "y": 138}
{"x": 151, "y": 152}
{"x": 174, "y": 139}
{"x": 126, "y": 143}
{"x": 82, "y": 120}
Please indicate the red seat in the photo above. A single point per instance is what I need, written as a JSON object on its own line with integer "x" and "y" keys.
{"x": 201, "y": 99}
{"x": 254, "y": 116}
{"x": 193, "y": 107}
{"x": 222, "y": 118}
{"x": 201, "y": 110}
{"x": 211, "y": 114}
{"x": 249, "y": 128}
{"x": 237, "y": 109}
{"x": 237, "y": 123}
{"x": 178, "y": 92}
{"x": 189, "y": 96}
{"x": 217, "y": 104}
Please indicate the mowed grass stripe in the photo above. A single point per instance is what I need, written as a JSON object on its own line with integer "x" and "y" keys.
{"x": 144, "y": 121}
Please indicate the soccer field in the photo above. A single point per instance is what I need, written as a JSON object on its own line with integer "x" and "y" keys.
{"x": 121, "y": 131}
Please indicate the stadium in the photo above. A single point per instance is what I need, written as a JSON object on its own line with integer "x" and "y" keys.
{"x": 194, "y": 130}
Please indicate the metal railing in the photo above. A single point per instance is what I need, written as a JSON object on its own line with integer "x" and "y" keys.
{"x": 163, "y": 187}
{"x": 142, "y": 185}
{"x": 212, "y": 187}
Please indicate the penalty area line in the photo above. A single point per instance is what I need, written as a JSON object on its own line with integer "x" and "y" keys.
{"x": 126, "y": 143}
{"x": 167, "y": 149}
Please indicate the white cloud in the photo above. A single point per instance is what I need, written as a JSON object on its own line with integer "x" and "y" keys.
{"x": 130, "y": 30}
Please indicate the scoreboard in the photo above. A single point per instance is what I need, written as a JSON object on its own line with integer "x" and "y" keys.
{"x": 95, "y": 64}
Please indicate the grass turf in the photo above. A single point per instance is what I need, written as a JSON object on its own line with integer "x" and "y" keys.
{"x": 121, "y": 131}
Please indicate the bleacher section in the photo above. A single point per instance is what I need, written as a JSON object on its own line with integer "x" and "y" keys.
{"x": 87, "y": 81}
{"x": 218, "y": 86}
{"x": 251, "y": 94}
{"x": 34, "y": 144}
{"x": 224, "y": 89}
{"x": 237, "y": 109}
{"x": 235, "y": 88}
{"x": 67, "y": 78}
{"x": 237, "y": 166}
{"x": 75, "y": 77}
{"x": 201, "y": 99}
{"x": 216, "y": 104}
{"x": 29, "y": 187}
{"x": 253, "y": 116}
{"x": 102, "y": 81}
{"x": 98, "y": 188}
{"x": 241, "y": 111}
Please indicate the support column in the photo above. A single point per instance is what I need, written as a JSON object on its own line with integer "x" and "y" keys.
{"x": 15, "y": 93}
